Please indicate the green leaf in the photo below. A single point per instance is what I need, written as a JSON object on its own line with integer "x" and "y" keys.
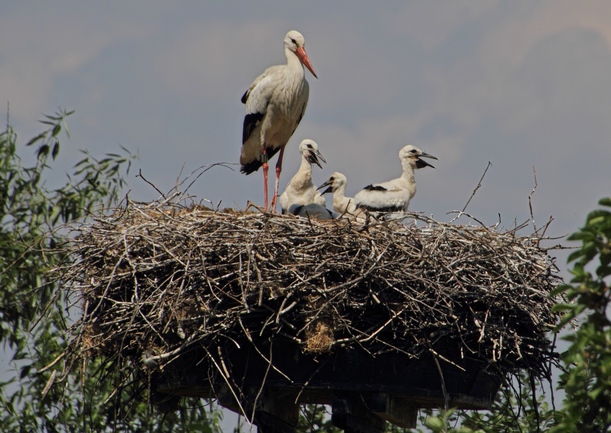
{"x": 36, "y": 138}
{"x": 56, "y": 130}
{"x": 597, "y": 217}
{"x": 435, "y": 423}
{"x": 563, "y": 307}
{"x": 43, "y": 151}
{"x": 582, "y": 235}
{"x": 25, "y": 370}
{"x": 605, "y": 201}
{"x": 55, "y": 151}
{"x": 574, "y": 256}
{"x": 594, "y": 393}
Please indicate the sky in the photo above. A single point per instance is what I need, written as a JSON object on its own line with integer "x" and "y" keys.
{"x": 524, "y": 85}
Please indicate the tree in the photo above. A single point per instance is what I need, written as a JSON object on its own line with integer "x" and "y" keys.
{"x": 586, "y": 379}
{"x": 34, "y": 318}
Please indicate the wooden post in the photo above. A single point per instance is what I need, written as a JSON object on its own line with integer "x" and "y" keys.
{"x": 351, "y": 414}
{"x": 400, "y": 411}
{"x": 276, "y": 412}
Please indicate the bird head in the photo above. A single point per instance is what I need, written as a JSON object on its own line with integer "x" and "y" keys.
{"x": 336, "y": 180}
{"x": 309, "y": 150}
{"x": 295, "y": 42}
{"x": 413, "y": 155}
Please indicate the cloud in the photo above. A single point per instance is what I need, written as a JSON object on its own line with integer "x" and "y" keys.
{"x": 39, "y": 44}
{"x": 514, "y": 83}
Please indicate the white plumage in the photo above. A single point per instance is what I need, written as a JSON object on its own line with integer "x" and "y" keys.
{"x": 300, "y": 190}
{"x": 343, "y": 205}
{"x": 275, "y": 104}
{"x": 394, "y": 195}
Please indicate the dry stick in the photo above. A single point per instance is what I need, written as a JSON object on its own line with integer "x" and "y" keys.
{"x": 140, "y": 175}
{"x": 461, "y": 213}
{"x": 206, "y": 168}
{"x": 269, "y": 361}
{"x": 530, "y": 205}
{"x": 225, "y": 378}
{"x": 438, "y": 355}
{"x": 307, "y": 382}
{"x": 381, "y": 328}
{"x": 269, "y": 365}
{"x": 446, "y": 397}
{"x": 45, "y": 368}
{"x": 479, "y": 184}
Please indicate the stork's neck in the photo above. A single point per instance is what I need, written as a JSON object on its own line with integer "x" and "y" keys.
{"x": 339, "y": 197}
{"x": 408, "y": 171}
{"x": 306, "y": 166}
{"x": 340, "y": 191}
{"x": 293, "y": 62}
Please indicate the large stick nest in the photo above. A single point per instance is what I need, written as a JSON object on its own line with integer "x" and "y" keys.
{"x": 156, "y": 279}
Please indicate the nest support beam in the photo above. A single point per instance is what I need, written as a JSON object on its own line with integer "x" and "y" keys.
{"x": 275, "y": 411}
{"x": 271, "y": 410}
{"x": 368, "y": 413}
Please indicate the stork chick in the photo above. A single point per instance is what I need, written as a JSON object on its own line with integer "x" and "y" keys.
{"x": 394, "y": 195}
{"x": 300, "y": 190}
{"x": 336, "y": 184}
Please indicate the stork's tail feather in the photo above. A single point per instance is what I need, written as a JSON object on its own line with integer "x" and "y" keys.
{"x": 251, "y": 167}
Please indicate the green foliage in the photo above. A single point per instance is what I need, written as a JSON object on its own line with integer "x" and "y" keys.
{"x": 34, "y": 317}
{"x": 587, "y": 378}
{"x": 442, "y": 423}
{"x": 514, "y": 411}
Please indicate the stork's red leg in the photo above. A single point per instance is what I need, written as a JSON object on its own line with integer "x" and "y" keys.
{"x": 277, "y": 183}
{"x": 265, "y": 170}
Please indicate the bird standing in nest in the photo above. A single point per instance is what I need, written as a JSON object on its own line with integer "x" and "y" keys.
{"x": 343, "y": 205}
{"x": 394, "y": 195}
{"x": 275, "y": 104}
{"x": 300, "y": 190}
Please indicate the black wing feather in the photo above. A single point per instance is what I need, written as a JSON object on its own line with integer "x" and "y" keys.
{"x": 251, "y": 121}
{"x": 375, "y": 188}
{"x": 379, "y": 209}
{"x": 256, "y": 164}
{"x": 245, "y": 97}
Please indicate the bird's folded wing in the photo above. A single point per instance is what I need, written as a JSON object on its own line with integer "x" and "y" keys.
{"x": 256, "y": 98}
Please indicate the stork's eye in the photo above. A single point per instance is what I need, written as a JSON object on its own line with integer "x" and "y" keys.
{"x": 413, "y": 151}
{"x": 294, "y": 41}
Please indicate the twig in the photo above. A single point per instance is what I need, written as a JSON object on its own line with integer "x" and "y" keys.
{"x": 140, "y": 175}
{"x": 530, "y": 206}
{"x": 479, "y": 184}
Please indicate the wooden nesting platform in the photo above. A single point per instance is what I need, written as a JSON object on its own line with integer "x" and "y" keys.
{"x": 265, "y": 312}
{"x": 362, "y": 389}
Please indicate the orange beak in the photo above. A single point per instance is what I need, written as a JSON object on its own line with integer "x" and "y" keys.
{"x": 303, "y": 58}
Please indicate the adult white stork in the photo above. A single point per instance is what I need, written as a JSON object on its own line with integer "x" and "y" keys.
{"x": 343, "y": 205}
{"x": 300, "y": 190}
{"x": 275, "y": 104}
{"x": 394, "y": 195}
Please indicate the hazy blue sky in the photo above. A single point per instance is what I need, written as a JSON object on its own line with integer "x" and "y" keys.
{"x": 522, "y": 84}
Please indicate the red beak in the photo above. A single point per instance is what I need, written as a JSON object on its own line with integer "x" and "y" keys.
{"x": 303, "y": 58}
